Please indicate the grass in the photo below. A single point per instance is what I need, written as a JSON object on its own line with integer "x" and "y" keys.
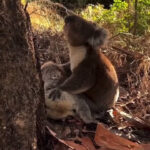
{"x": 44, "y": 17}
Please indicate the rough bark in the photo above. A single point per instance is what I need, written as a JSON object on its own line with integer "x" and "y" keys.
{"x": 20, "y": 91}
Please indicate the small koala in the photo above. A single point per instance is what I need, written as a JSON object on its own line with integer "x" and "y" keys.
{"x": 67, "y": 104}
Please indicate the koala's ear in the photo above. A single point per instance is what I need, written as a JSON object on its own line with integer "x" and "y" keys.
{"x": 98, "y": 39}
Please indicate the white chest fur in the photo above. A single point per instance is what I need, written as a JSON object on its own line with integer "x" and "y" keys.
{"x": 76, "y": 54}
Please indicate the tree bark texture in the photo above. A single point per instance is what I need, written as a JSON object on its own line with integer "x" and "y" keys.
{"x": 20, "y": 91}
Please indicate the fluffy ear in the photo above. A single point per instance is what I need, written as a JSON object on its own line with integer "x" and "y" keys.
{"x": 98, "y": 39}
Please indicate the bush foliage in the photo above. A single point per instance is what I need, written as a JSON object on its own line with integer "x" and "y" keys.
{"x": 121, "y": 16}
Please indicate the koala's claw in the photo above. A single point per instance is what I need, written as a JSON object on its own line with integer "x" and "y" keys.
{"x": 55, "y": 94}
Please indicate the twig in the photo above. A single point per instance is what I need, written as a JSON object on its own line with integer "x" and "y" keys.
{"x": 114, "y": 36}
{"x": 133, "y": 54}
{"x": 137, "y": 122}
{"x": 118, "y": 35}
{"x": 26, "y": 5}
{"x": 33, "y": 12}
{"x": 61, "y": 9}
{"x": 60, "y": 140}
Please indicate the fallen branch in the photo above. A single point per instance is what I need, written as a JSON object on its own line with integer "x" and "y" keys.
{"x": 137, "y": 122}
{"x": 61, "y": 9}
{"x": 133, "y": 54}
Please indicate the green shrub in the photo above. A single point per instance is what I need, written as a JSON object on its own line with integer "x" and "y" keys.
{"x": 120, "y": 17}
{"x": 113, "y": 19}
{"x": 143, "y": 23}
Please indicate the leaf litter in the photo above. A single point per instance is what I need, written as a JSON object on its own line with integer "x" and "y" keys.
{"x": 127, "y": 126}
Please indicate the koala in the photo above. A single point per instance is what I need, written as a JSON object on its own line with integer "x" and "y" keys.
{"x": 92, "y": 73}
{"x": 67, "y": 104}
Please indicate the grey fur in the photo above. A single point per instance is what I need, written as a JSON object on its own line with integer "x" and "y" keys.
{"x": 69, "y": 104}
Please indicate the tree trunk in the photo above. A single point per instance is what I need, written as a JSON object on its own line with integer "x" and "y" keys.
{"x": 20, "y": 83}
{"x": 135, "y": 17}
{"x": 129, "y": 13}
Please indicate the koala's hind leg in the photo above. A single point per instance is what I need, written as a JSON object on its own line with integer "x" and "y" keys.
{"x": 83, "y": 109}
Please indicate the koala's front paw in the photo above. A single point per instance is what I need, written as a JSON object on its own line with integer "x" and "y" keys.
{"x": 55, "y": 94}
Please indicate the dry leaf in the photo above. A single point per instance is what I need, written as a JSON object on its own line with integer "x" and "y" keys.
{"x": 137, "y": 122}
{"x": 88, "y": 143}
{"x": 146, "y": 146}
{"x": 76, "y": 146}
{"x": 107, "y": 139}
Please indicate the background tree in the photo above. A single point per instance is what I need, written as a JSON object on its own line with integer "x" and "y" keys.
{"x": 135, "y": 16}
{"x": 20, "y": 83}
